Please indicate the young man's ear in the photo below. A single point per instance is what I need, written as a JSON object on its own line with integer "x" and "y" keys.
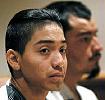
{"x": 13, "y": 58}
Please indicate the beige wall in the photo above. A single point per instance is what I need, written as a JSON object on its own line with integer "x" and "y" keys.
{"x": 9, "y": 7}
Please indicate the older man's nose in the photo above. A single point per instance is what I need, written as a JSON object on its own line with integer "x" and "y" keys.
{"x": 97, "y": 46}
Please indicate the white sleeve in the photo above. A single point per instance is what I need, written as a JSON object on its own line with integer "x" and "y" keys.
{"x": 85, "y": 93}
{"x": 54, "y": 95}
{"x": 3, "y": 93}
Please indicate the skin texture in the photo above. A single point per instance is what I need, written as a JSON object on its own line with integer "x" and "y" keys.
{"x": 42, "y": 66}
{"x": 83, "y": 44}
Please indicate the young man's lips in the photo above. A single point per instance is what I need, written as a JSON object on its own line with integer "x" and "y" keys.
{"x": 59, "y": 75}
{"x": 56, "y": 77}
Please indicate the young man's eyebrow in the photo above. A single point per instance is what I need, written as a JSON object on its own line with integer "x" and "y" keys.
{"x": 49, "y": 41}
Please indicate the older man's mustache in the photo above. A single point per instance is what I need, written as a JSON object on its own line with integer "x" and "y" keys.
{"x": 95, "y": 55}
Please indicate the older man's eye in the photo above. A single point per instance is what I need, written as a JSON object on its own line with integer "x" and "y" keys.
{"x": 87, "y": 39}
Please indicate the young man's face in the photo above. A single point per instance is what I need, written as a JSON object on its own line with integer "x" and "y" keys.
{"x": 43, "y": 63}
{"x": 82, "y": 44}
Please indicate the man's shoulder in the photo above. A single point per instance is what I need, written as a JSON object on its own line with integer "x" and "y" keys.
{"x": 82, "y": 89}
{"x": 86, "y": 93}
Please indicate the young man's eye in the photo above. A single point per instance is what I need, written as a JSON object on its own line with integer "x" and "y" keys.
{"x": 63, "y": 50}
{"x": 44, "y": 51}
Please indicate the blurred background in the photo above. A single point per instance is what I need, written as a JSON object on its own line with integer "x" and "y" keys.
{"x": 9, "y": 7}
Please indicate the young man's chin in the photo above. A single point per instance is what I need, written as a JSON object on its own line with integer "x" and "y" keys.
{"x": 56, "y": 87}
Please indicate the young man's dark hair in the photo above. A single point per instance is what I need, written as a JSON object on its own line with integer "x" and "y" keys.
{"x": 21, "y": 27}
{"x": 67, "y": 8}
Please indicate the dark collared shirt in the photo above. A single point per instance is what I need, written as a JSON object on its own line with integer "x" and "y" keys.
{"x": 13, "y": 93}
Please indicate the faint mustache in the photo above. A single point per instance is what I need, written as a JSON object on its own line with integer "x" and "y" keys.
{"x": 95, "y": 55}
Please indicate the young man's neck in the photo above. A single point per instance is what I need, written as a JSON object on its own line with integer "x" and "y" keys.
{"x": 29, "y": 92}
{"x": 72, "y": 79}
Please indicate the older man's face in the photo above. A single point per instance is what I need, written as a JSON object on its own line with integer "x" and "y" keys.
{"x": 83, "y": 46}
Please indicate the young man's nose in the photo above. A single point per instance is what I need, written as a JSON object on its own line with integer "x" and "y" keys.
{"x": 57, "y": 61}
